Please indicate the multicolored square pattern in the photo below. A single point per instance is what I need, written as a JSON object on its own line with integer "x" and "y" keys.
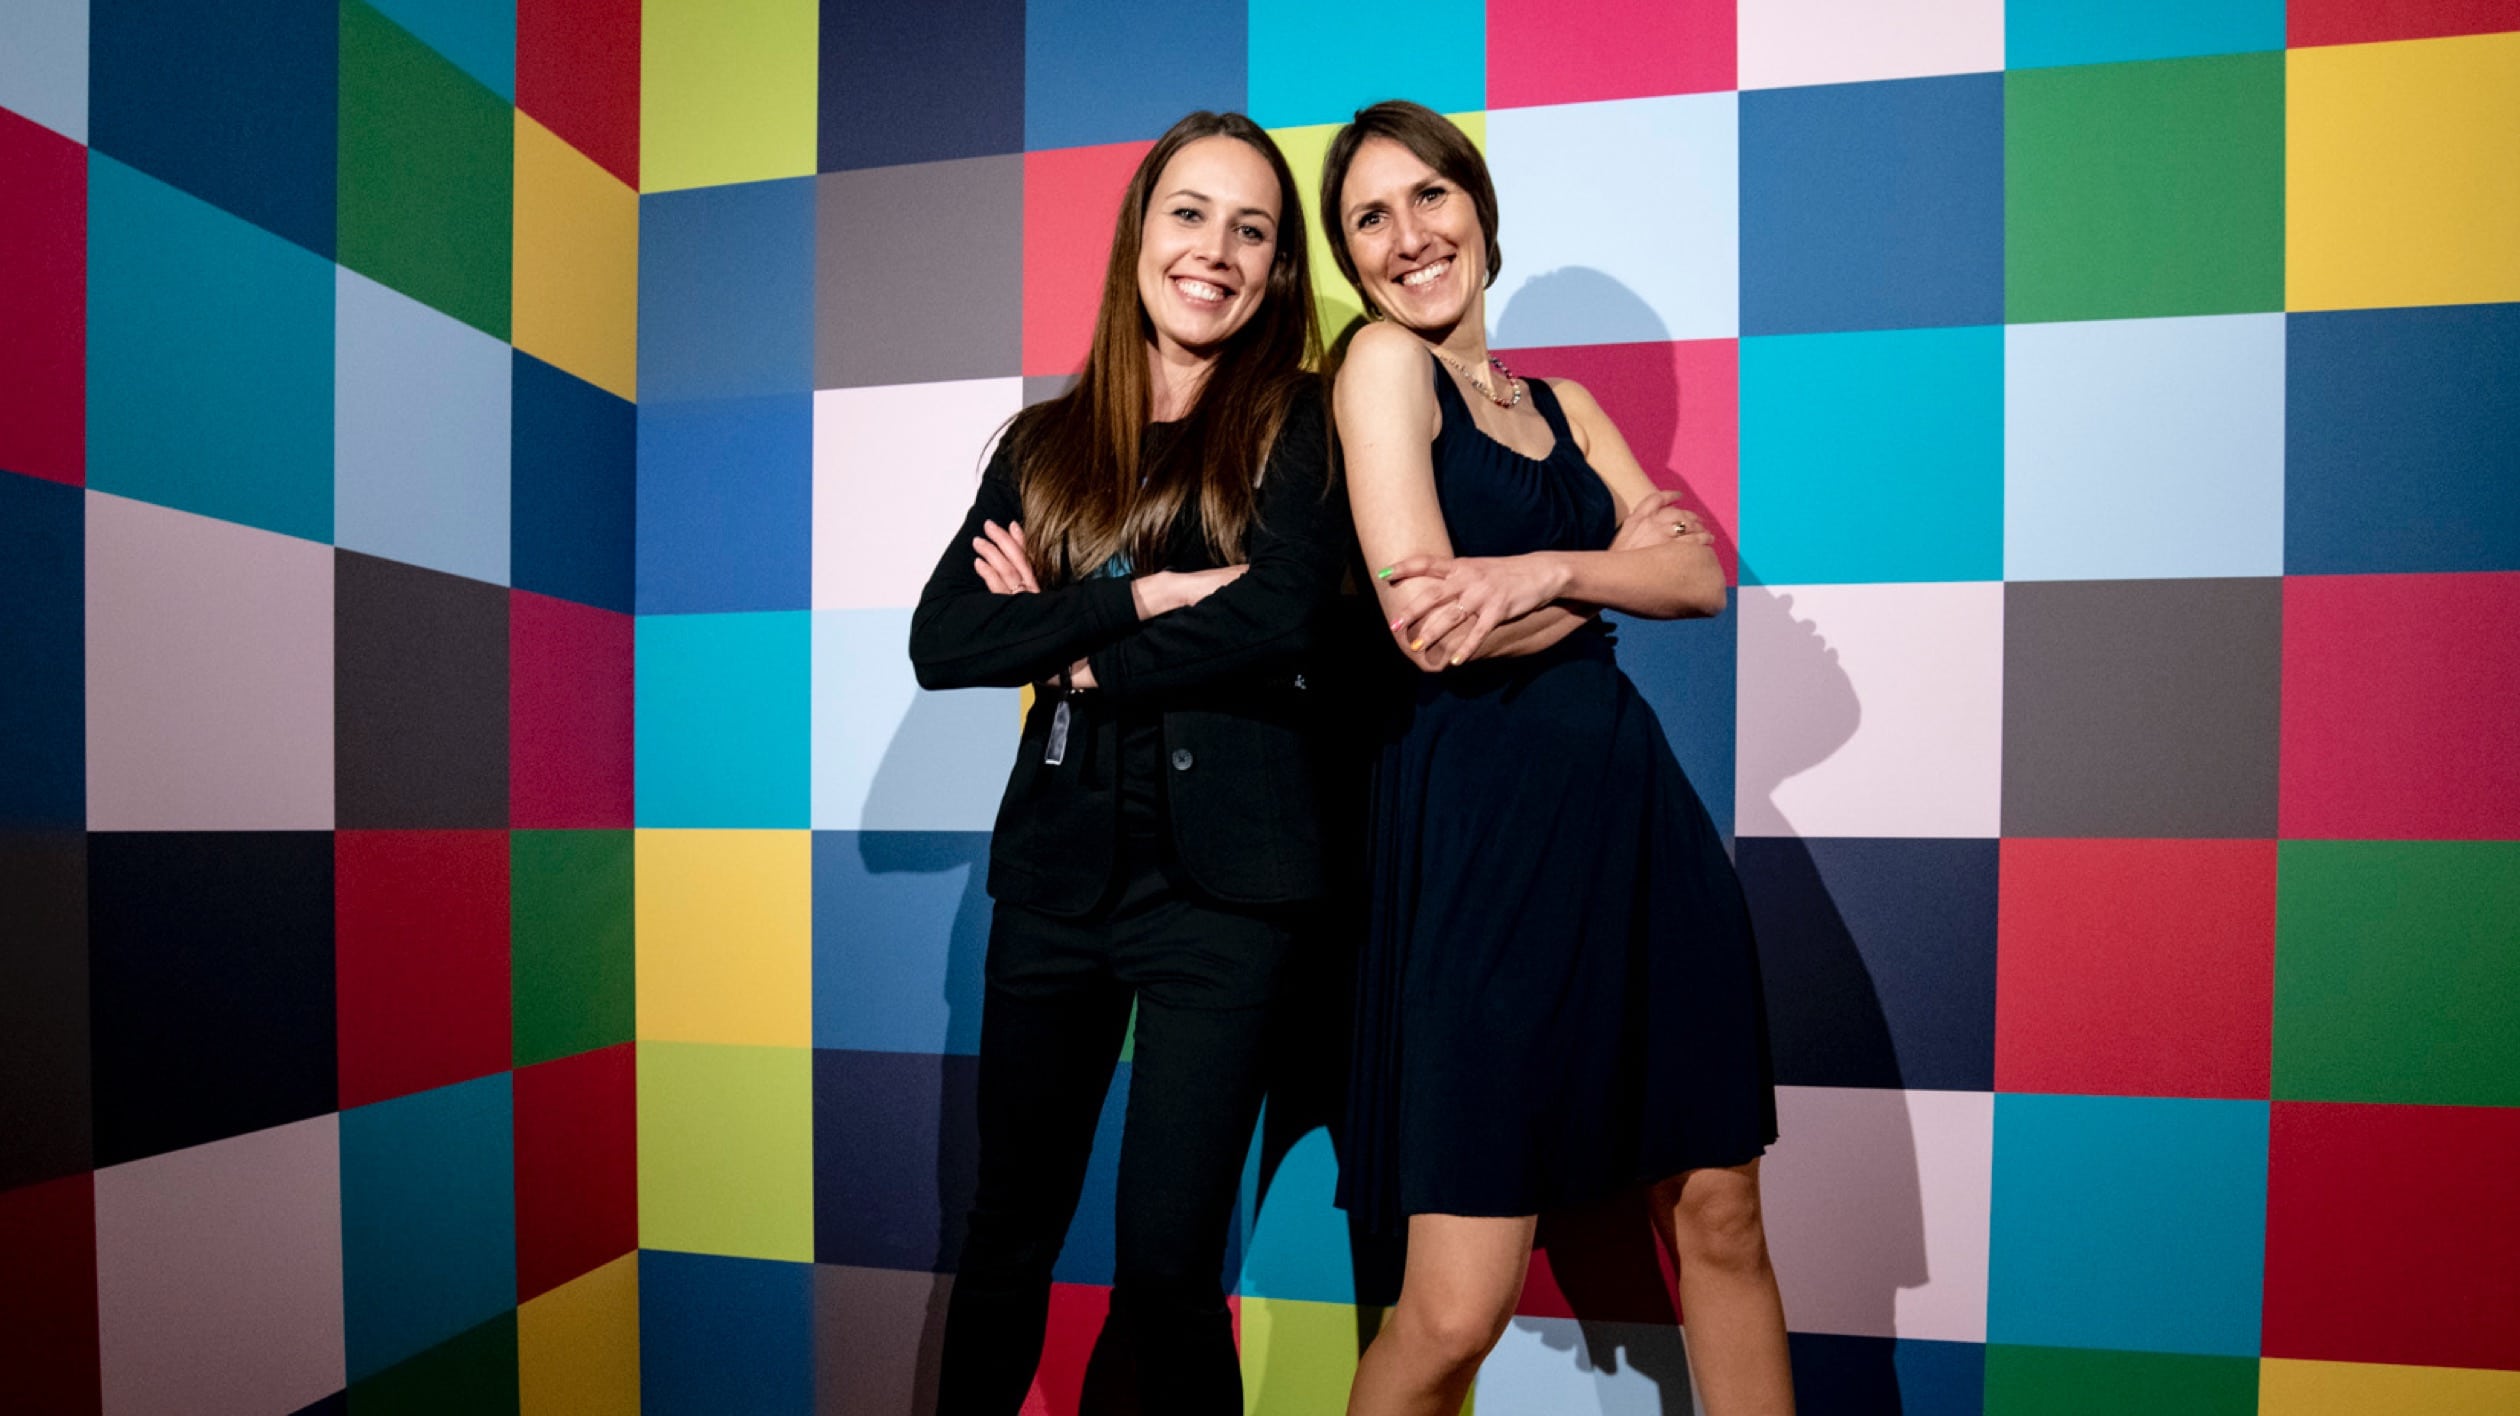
{"x": 493, "y": 926}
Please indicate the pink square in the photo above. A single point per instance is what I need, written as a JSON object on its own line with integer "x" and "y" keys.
{"x": 1071, "y": 199}
{"x": 1539, "y": 52}
{"x": 895, "y": 470}
{"x": 569, "y": 719}
{"x": 2398, "y": 720}
{"x": 2136, "y": 968}
{"x": 1678, "y": 405}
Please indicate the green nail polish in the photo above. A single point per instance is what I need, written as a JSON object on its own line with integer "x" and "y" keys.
{"x": 1385, "y": 572}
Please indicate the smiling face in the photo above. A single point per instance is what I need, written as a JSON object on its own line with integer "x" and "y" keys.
{"x": 1207, "y": 244}
{"x": 1414, "y": 236}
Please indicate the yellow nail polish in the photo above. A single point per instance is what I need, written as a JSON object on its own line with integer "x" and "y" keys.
{"x": 1416, "y": 644}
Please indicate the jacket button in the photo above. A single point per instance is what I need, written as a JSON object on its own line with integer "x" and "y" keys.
{"x": 1181, "y": 759}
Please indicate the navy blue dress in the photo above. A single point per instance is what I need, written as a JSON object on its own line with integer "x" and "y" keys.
{"x": 1559, "y": 997}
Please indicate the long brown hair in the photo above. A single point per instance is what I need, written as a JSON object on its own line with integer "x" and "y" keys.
{"x": 1434, "y": 140}
{"x": 1087, "y": 493}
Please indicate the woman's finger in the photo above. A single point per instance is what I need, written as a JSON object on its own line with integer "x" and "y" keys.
{"x": 1413, "y": 567}
{"x": 1652, "y": 502}
{"x": 1402, "y": 623}
{"x": 1015, "y": 562}
{"x": 989, "y": 577}
{"x": 1466, "y": 645}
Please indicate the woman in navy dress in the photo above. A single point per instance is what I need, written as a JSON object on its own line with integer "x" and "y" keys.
{"x": 1560, "y": 997}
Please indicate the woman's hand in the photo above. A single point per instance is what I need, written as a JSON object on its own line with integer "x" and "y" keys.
{"x": 1658, "y": 520}
{"x": 1164, "y": 591}
{"x": 1004, "y": 565}
{"x": 1474, "y": 595}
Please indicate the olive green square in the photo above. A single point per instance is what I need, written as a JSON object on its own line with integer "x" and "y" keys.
{"x": 473, "y": 1372}
{"x": 2397, "y": 972}
{"x": 2145, "y": 189}
{"x": 428, "y": 173}
{"x": 570, "y": 941}
{"x": 2064, "y": 1381}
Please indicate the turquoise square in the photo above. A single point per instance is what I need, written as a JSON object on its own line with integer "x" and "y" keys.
{"x": 1297, "y": 1245}
{"x": 1873, "y": 457}
{"x": 1312, "y": 63}
{"x": 428, "y": 1219}
{"x": 2043, "y": 32}
{"x": 2131, "y": 1223}
{"x": 724, "y": 707}
{"x": 210, "y": 359}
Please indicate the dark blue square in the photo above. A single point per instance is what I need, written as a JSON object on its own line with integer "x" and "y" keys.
{"x": 721, "y": 1334}
{"x": 210, "y": 957}
{"x": 726, "y": 503}
{"x": 1685, "y": 670}
{"x": 1111, "y": 71}
{"x": 1873, "y": 206}
{"x": 901, "y": 923}
{"x": 2402, "y": 440}
{"x": 1887, "y": 1376}
{"x": 896, "y": 1164}
{"x": 234, "y": 101}
{"x": 726, "y": 291}
{"x": 1880, "y": 956}
{"x": 920, "y": 83}
{"x": 43, "y": 640}
{"x": 573, "y": 466}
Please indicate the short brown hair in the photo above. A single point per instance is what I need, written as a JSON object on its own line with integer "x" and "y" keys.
{"x": 1433, "y": 140}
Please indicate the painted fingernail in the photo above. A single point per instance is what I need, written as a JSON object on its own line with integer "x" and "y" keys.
{"x": 1385, "y": 572}
{"x": 1456, "y": 661}
{"x": 1416, "y": 644}
{"x": 1395, "y": 626}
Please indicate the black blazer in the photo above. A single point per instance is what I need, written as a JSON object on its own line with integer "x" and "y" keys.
{"x": 1227, "y": 676}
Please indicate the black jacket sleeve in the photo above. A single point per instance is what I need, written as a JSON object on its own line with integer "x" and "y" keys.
{"x": 1274, "y": 614}
{"x": 963, "y": 635}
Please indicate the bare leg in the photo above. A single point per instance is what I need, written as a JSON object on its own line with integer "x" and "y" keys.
{"x": 1457, "y": 1293}
{"x": 1728, "y": 1297}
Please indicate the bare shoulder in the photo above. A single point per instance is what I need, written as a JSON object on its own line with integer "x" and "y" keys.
{"x": 1383, "y": 352}
{"x": 1384, "y": 384}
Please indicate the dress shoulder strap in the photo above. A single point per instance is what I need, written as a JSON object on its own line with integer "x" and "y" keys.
{"x": 1545, "y": 399}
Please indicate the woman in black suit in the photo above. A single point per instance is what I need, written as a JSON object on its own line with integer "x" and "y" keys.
{"x": 1156, "y": 552}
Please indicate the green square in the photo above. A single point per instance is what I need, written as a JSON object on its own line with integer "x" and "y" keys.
{"x": 2062, "y": 1381}
{"x": 571, "y": 947}
{"x": 726, "y": 1150}
{"x": 474, "y": 1372}
{"x": 2144, "y": 189}
{"x": 2397, "y": 972}
{"x": 428, "y": 173}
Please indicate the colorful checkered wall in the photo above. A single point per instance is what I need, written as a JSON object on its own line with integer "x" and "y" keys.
{"x": 2111, "y": 412}
{"x": 317, "y": 461}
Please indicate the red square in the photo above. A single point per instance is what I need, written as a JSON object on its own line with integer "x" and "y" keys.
{"x": 1544, "y": 52}
{"x": 43, "y": 303}
{"x": 2398, "y": 717}
{"x": 577, "y": 1167}
{"x": 1601, "y": 1265}
{"x": 577, "y": 73}
{"x": 2135, "y": 968}
{"x": 2391, "y": 1235}
{"x": 48, "y": 1346}
{"x": 421, "y": 958}
{"x": 2366, "y": 21}
{"x": 1678, "y": 405}
{"x": 1071, "y": 202}
{"x": 570, "y": 677}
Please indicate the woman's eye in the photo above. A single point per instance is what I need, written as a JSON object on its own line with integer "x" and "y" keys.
{"x": 1186, "y": 213}
{"x": 1431, "y": 196}
{"x": 1254, "y": 234}
{"x": 1368, "y": 219}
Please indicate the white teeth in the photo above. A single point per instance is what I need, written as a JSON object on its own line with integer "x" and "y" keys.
{"x": 1426, "y": 275}
{"x": 1200, "y": 290}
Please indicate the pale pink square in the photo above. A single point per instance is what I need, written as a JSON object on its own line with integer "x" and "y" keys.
{"x": 1788, "y": 42}
{"x": 209, "y": 673}
{"x": 1876, "y": 1204}
{"x": 1870, "y": 710}
{"x": 218, "y": 1275}
{"x": 895, "y": 469}
{"x": 1541, "y": 51}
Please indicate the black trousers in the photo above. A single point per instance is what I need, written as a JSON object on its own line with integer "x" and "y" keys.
{"x": 1204, "y": 977}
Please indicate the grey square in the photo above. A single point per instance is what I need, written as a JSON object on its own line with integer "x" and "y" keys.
{"x": 877, "y": 1339}
{"x": 919, "y": 273}
{"x": 421, "y": 690}
{"x": 2142, "y": 708}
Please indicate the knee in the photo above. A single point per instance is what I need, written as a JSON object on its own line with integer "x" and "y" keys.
{"x": 1455, "y": 1336}
{"x": 1715, "y": 1223}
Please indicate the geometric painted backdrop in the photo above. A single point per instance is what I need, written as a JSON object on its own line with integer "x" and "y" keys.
{"x": 2109, "y": 411}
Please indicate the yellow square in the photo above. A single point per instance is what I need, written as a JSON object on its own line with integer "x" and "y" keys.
{"x": 2288, "y": 1388}
{"x": 725, "y": 936}
{"x": 1297, "y": 1357}
{"x": 577, "y": 1347}
{"x": 1307, "y": 149}
{"x": 577, "y": 263}
{"x": 727, "y": 91}
{"x": 2403, "y": 173}
{"x": 726, "y": 1150}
